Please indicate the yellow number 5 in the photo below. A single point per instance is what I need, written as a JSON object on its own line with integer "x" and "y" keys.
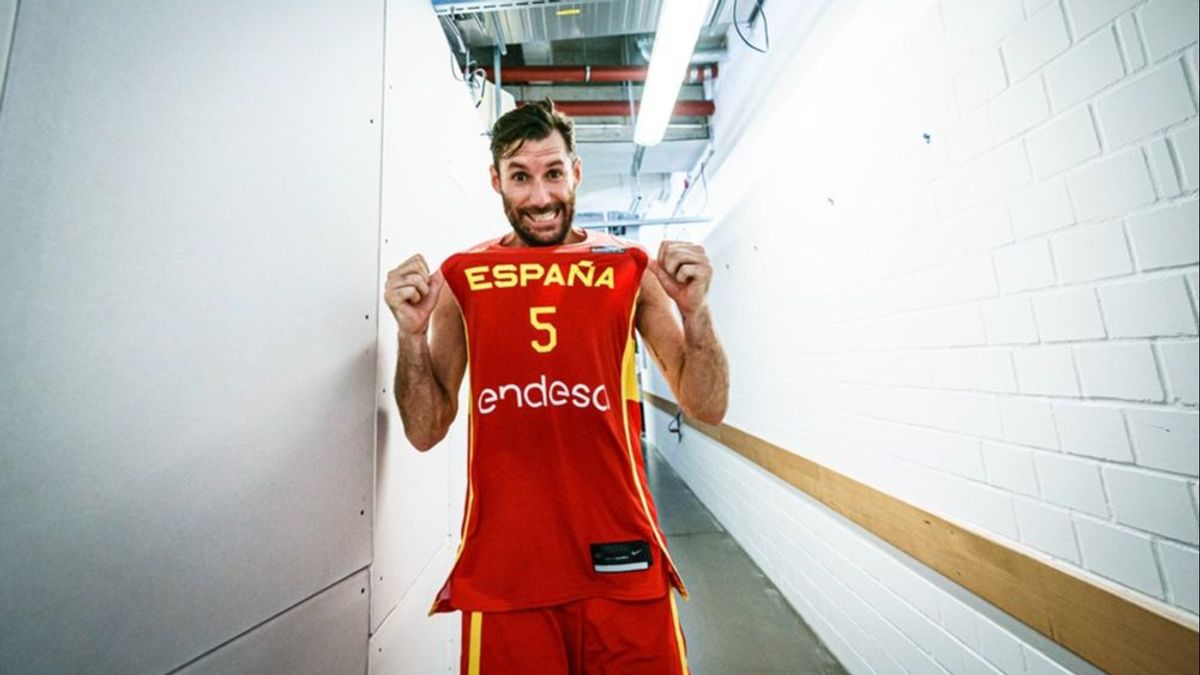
{"x": 552, "y": 340}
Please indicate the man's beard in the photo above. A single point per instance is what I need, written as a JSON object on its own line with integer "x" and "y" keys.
{"x": 516, "y": 218}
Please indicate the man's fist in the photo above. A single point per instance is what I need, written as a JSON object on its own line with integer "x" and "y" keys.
{"x": 412, "y": 293}
{"x": 684, "y": 271}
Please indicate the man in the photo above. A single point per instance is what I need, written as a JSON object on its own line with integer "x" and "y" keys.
{"x": 562, "y": 566}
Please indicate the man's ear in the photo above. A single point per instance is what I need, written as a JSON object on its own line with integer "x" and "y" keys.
{"x": 577, "y": 169}
{"x": 495, "y": 177}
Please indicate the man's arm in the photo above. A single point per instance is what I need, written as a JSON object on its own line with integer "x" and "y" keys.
{"x": 689, "y": 356}
{"x": 428, "y": 371}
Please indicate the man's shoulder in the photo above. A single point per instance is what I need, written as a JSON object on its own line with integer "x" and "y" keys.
{"x": 484, "y": 245}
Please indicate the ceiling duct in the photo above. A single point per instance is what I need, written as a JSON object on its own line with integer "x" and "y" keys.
{"x": 534, "y": 21}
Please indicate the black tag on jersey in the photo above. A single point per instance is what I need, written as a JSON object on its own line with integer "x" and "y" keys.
{"x": 608, "y": 249}
{"x": 622, "y": 556}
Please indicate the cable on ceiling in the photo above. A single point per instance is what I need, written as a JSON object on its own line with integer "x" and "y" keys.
{"x": 754, "y": 14}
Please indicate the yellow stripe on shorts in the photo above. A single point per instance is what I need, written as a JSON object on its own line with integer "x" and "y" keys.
{"x": 678, "y": 635}
{"x": 476, "y": 643}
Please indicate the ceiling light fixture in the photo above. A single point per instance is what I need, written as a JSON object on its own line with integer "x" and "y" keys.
{"x": 568, "y": 12}
{"x": 679, "y": 25}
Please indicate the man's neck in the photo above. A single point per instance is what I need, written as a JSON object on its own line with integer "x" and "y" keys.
{"x": 574, "y": 236}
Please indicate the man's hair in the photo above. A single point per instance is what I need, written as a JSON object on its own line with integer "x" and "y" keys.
{"x": 531, "y": 122}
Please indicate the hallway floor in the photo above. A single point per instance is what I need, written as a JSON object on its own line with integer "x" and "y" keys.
{"x": 736, "y": 621}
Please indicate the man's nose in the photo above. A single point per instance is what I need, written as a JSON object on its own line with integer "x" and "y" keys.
{"x": 541, "y": 194}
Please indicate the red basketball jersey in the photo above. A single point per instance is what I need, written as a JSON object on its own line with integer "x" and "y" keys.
{"x": 557, "y": 505}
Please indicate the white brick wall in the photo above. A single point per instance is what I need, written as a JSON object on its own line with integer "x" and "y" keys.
{"x": 1090, "y": 67}
{"x": 1064, "y": 142}
{"x": 1069, "y": 315}
{"x": 1166, "y": 237}
{"x": 1145, "y": 105}
{"x": 999, "y": 326}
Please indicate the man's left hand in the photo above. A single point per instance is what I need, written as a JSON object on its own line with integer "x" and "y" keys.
{"x": 684, "y": 271}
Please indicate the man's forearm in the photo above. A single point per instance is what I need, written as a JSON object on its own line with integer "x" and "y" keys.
{"x": 425, "y": 408}
{"x": 704, "y": 376}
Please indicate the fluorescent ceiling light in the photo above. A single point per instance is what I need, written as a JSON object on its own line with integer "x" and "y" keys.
{"x": 678, "y": 28}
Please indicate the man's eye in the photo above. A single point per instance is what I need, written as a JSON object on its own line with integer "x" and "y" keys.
{"x": 519, "y": 177}
{"x": 555, "y": 174}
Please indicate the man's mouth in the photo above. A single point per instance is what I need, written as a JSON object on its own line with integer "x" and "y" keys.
{"x": 543, "y": 217}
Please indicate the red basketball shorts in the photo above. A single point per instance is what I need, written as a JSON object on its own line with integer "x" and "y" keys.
{"x": 596, "y": 636}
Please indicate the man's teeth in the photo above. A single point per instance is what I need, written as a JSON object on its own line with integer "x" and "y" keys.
{"x": 543, "y": 217}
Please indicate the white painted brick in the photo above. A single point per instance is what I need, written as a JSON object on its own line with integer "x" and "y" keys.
{"x": 1002, "y": 170}
{"x": 1118, "y": 370}
{"x": 1020, "y": 108}
{"x": 1166, "y": 439}
{"x": 1182, "y": 575}
{"x": 1073, "y": 314}
{"x": 1193, "y": 279}
{"x": 992, "y": 370}
{"x": 989, "y": 508}
{"x": 1146, "y": 104}
{"x": 1166, "y": 237}
{"x": 986, "y": 228}
{"x": 1046, "y": 371}
{"x": 990, "y": 21}
{"x": 976, "y": 664}
{"x": 1131, "y": 43}
{"x": 1085, "y": 70}
{"x": 1010, "y": 467}
{"x": 1111, "y": 186}
{"x": 1180, "y": 365}
{"x": 1047, "y": 528}
{"x": 1147, "y": 308}
{"x": 1119, "y": 554}
{"x": 1169, "y": 25}
{"x": 956, "y": 192}
{"x": 1032, "y": 6}
{"x": 1035, "y": 42}
{"x": 1093, "y": 252}
{"x": 1152, "y": 502}
{"x": 1092, "y": 430}
{"x": 1088, "y": 15}
{"x": 1028, "y": 421}
{"x": 954, "y": 326}
{"x": 1037, "y": 663}
{"x": 970, "y": 137}
{"x": 981, "y": 81}
{"x": 950, "y": 369}
{"x": 1187, "y": 147}
{"x": 1043, "y": 207}
{"x": 957, "y": 619}
{"x": 999, "y": 646}
{"x": 1070, "y": 482}
{"x": 1162, "y": 168}
{"x": 977, "y": 415}
{"x": 1009, "y": 321}
{"x": 1024, "y": 266}
{"x": 1193, "y": 67}
{"x": 1063, "y": 143}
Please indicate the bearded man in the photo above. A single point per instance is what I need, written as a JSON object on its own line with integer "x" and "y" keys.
{"x": 562, "y": 567}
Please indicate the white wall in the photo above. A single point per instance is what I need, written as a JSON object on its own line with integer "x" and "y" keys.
{"x": 189, "y": 211}
{"x": 998, "y": 325}
{"x": 436, "y": 200}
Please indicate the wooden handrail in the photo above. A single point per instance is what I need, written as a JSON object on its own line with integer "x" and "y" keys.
{"x": 1116, "y": 631}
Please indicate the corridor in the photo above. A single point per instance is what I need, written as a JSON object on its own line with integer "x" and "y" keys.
{"x": 735, "y": 620}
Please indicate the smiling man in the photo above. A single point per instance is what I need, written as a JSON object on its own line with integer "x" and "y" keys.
{"x": 562, "y": 566}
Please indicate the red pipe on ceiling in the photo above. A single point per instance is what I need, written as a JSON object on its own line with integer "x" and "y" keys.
{"x": 526, "y": 74}
{"x": 621, "y": 108}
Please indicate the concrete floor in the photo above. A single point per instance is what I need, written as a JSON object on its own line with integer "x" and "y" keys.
{"x": 736, "y": 621}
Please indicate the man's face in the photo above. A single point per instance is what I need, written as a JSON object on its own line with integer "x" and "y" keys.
{"x": 537, "y": 185}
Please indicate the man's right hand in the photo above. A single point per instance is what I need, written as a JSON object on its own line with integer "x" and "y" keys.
{"x": 412, "y": 293}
